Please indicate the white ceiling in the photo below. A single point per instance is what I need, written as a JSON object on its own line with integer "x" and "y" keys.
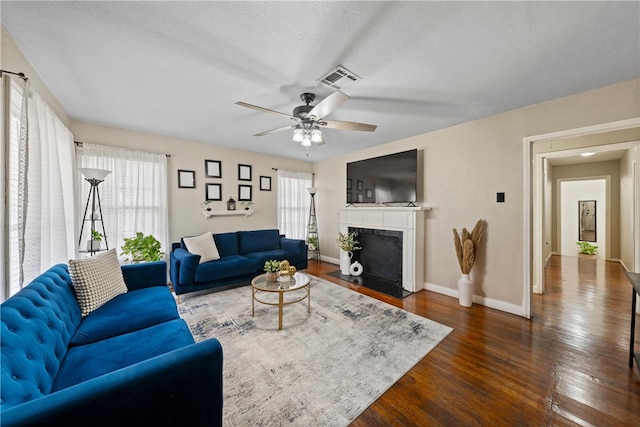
{"x": 177, "y": 68}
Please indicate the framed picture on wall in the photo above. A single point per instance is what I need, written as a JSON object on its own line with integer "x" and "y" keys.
{"x": 213, "y": 192}
{"x": 369, "y": 193}
{"x": 244, "y": 172}
{"x": 265, "y": 183}
{"x": 213, "y": 168}
{"x": 186, "y": 179}
{"x": 244, "y": 193}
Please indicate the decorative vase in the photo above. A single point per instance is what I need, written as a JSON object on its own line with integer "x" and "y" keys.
{"x": 272, "y": 276}
{"x": 355, "y": 269}
{"x": 345, "y": 262}
{"x": 465, "y": 291}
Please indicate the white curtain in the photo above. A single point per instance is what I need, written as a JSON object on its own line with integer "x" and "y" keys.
{"x": 294, "y": 202}
{"x": 40, "y": 224}
{"x": 133, "y": 196}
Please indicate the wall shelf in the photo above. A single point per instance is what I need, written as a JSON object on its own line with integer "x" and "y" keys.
{"x": 243, "y": 212}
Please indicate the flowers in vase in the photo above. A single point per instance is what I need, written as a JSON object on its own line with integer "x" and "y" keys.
{"x": 347, "y": 242}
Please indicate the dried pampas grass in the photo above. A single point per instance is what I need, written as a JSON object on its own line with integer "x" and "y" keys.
{"x": 466, "y": 245}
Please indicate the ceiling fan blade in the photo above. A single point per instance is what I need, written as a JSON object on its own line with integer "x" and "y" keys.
{"x": 266, "y": 110}
{"x": 267, "y": 132}
{"x": 328, "y": 105}
{"x": 336, "y": 124}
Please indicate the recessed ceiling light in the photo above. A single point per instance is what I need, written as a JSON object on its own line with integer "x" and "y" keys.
{"x": 587, "y": 154}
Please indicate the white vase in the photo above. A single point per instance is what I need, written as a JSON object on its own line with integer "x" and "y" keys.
{"x": 355, "y": 269}
{"x": 465, "y": 291}
{"x": 345, "y": 262}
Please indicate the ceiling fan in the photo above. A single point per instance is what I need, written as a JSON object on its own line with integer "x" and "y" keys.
{"x": 309, "y": 119}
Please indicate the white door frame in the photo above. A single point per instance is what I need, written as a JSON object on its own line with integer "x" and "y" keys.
{"x": 532, "y": 210}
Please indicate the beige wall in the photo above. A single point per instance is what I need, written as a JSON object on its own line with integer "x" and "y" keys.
{"x": 184, "y": 203}
{"x": 584, "y": 171}
{"x": 627, "y": 200}
{"x": 464, "y": 167}
{"x": 12, "y": 59}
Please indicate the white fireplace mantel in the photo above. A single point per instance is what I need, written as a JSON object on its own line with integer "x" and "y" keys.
{"x": 408, "y": 220}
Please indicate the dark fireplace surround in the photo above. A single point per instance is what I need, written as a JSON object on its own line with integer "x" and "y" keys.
{"x": 381, "y": 259}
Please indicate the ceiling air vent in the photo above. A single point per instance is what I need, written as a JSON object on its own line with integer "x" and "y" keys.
{"x": 339, "y": 77}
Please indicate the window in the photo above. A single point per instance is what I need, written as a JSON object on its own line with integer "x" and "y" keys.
{"x": 39, "y": 215}
{"x": 133, "y": 196}
{"x": 294, "y": 202}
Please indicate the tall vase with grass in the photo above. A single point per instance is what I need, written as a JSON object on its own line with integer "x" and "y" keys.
{"x": 347, "y": 244}
{"x": 466, "y": 245}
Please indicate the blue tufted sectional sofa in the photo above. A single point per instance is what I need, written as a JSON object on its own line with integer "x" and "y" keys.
{"x": 242, "y": 257}
{"x": 132, "y": 361}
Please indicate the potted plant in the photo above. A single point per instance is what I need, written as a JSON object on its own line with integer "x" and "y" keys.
{"x": 466, "y": 245}
{"x": 93, "y": 244}
{"x": 142, "y": 248}
{"x": 347, "y": 243}
{"x": 586, "y": 248}
{"x": 272, "y": 267}
{"x": 312, "y": 241}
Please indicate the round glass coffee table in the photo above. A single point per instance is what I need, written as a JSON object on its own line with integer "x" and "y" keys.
{"x": 299, "y": 282}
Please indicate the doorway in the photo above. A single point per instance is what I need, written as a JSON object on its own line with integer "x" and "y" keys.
{"x": 583, "y": 215}
{"x": 568, "y": 145}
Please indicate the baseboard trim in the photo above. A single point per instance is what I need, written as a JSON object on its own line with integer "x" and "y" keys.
{"x": 487, "y": 302}
{"x": 453, "y": 293}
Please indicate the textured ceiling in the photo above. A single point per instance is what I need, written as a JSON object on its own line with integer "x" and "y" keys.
{"x": 177, "y": 68}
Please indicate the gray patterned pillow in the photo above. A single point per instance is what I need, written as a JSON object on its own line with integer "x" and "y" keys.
{"x": 202, "y": 245}
{"x": 96, "y": 280}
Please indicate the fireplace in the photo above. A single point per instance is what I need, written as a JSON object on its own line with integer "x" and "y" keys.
{"x": 381, "y": 259}
{"x": 393, "y": 246}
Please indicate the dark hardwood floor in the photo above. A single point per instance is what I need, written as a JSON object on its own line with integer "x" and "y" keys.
{"x": 566, "y": 366}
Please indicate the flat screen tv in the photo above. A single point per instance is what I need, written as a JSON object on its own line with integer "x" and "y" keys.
{"x": 390, "y": 179}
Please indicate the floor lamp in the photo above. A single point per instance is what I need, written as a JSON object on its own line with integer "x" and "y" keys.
{"x": 93, "y": 177}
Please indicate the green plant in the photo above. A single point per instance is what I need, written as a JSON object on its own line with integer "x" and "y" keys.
{"x": 347, "y": 242}
{"x": 587, "y": 248}
{"x": 272, "y": 265}
{"x": 96, "y": 235}
{"x": 312, "y": 242}
{"x": 142, "y": 248}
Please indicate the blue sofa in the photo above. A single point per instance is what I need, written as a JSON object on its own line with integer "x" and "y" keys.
{"x": 242, "y": 257}
{"x": 132, "y": 361}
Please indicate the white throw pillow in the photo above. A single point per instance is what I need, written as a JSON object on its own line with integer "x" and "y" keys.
{"x": 96, "y": 280}
{"x": 204, "y": 246}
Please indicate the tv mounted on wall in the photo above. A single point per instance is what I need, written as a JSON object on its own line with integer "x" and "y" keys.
{"x": 390, "y": 179}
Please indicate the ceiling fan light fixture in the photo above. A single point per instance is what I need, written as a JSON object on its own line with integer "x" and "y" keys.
{"x": 298, "y": 134}
{"x": 316, "y": 135}
{"x": 306, "y": 140}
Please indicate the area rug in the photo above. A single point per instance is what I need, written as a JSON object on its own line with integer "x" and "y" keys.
{"x": 322, "y": 368}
